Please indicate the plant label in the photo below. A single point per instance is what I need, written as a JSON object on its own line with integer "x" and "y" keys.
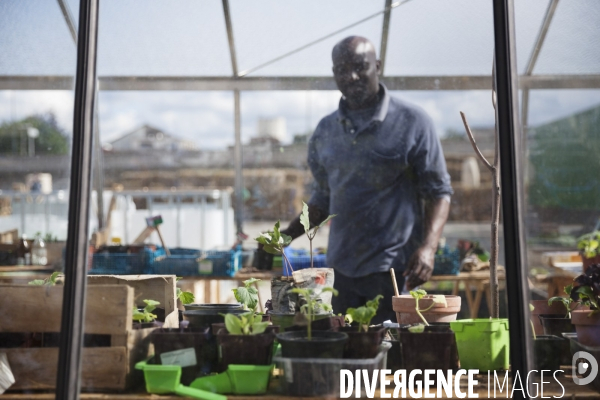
{"x": 183, "y": 358}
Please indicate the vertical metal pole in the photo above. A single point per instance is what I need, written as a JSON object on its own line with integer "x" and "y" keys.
{"x": 73, "y": 310}
{"x": 385, "y": 33}
{"x": 178, "y": 227}
{"x": 510, "y": 168}
{"x": 237, "y": 164}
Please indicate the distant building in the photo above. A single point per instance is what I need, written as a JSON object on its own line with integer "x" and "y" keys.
{"x": 274, "y": 128}
{"x": 147, "y": 138}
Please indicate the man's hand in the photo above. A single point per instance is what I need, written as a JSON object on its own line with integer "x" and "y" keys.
{"x": 420, "y": 267}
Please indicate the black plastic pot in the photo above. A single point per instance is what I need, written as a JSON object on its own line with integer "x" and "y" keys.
{"x": 221, "y": 325}
{"x": 245, "y": 349}
{"x": 201, "y": 341}
{"x": 284, "y": 320}
{"x": 428, "y": 350}
{"x": 548, "y": 352}
{"x": 323, "y": 344}
{"x": 206, "y": 317}
{"x": 322, "y": 322}
{"x": 223, "y": 308}
{"x": 262, "y": 260}
{"x": 556, "y": 325}
{"x": 394, "y": 356}
{"x": 362, "y": 344}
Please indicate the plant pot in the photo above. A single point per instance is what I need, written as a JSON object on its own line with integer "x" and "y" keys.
{"x": 322, "y": 345}
{"x": 587, "y": 327}
{"x": 145, "y": 325}
{"x": 404, "y": 306}
{"x": 548, "y": 352}
{"x": 541, "y": 307}
{"x": 245, "y": 349}
{"x": 215, "y": 328}
{"x": 206, "y": 317}
{"x": 194, "y": 350}
{"x": 589, "y": 261}
{"x": 321, "y": 322}
{"x": 482, "y": 344}
{"x": 283, "y": 320}
{"x": 394, "y": 356}
{"x": 238, "y": 379}
{"x": 556, "y": 325}
{"x": 428, "y": 350}
{"x": 222, "y": 308}
{"x": 362, "y": 344}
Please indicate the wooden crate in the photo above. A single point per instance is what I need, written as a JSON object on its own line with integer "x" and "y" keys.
{"x": 109, "y": 307}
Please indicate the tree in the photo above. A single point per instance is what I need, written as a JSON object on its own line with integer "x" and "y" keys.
{"x": 51, "y": 140}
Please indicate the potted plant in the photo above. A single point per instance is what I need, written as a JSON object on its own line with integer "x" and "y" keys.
{"x": 311, "y": 232}
{"x": 586, "y": 289}
{"x": 309, "y": 344}
{"x": 143, "y": 317}
{"x": 435, "y": 309}
{"x": 424, "y": 346}
{"x": 245, "y": 341}
{"x": 363, "y": 340}
{"x": 589, "y": 248}
{"x": 549, "y": 350}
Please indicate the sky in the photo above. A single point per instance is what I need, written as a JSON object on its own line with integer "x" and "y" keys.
{"x": 187, "y": 37}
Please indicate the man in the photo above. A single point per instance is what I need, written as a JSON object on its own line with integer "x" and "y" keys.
{"x": 375, "y": 161}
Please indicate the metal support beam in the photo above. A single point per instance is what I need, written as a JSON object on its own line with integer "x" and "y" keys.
{"x": 384, "y": 33}
{"x": 537, "y": 47}
{"x": 229, "y": 27}
{"x": 237, "y": 162}
{"x": 521, "y": 351}
{"x": 66, "y": 12}
{"x": 73, "y": 310}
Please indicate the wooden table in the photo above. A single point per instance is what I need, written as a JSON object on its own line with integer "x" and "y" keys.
{"x": 480, "y": 280}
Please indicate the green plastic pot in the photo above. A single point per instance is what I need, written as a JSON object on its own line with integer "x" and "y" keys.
{"x": 482, "y": 344}
{"x": 238, "y": 379}
{"x": 164, "y": 379}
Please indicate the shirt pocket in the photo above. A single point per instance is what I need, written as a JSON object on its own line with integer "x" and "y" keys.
{"x": 386, "y": 169}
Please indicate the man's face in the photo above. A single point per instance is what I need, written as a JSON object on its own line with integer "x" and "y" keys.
{"x": 356, "y": 72}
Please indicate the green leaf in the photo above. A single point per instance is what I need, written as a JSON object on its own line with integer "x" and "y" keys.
{"x": 185, "y": 297}
{"x": 417, "y": 328}
{"x": 271, "y": 249}
{"x": 52, "y": 279}
{"x": 304, "y": 220}
{"x": 259, "y": 327}
{"x": 233, "y": 324}
{"x": 150, "y": 305}
{"x": 568, "y": 290}
{"x": 322, "y": 224}
{"x": 36, "y": 282}
{"x": 375, "y": 302}
{"x": 330, "y": 289}
{"x": 286, "y": 240}
{"x": 418, "y": 294}
{"x": 531, "y": 307}
{"x": 250, "y": 281}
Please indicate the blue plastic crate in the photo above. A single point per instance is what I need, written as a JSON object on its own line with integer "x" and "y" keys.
{"x": 105, "y": 263}
{"x": 300, "y": 259}
{"x": 192, "y": 262}
{"x": 447, "y": 262}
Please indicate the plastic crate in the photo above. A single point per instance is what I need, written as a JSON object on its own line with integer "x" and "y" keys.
{"x": 300, "y": 259}
{"x": 321, "y": 376}
{"x": 447, "y": 262}
{"x": 192, "y": 262}
{"x": 105, "y": 263}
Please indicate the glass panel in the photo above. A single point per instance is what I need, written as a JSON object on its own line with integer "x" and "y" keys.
{"x": 36, "y": 128}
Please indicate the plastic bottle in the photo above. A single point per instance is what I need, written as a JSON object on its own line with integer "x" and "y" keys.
{"x": 23, "y": 252}
{"x": 39, "y": 254}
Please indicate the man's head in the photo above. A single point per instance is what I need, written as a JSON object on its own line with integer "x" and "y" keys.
{"x": 356, "y": 70}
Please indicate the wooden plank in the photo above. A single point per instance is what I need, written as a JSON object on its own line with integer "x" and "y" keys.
{"x": 38, "y": 309}
{"x": 103, "y": 368}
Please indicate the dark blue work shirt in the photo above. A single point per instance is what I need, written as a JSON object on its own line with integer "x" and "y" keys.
{"x": 374, "y": 177}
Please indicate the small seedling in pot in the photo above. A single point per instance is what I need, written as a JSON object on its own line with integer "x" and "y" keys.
{"x": 418, "y": 295}
{"x": 273, "y": 243}
{"x": 311, "y": 232}
{"x": 247, "y": 294}
{"x": 363, "y": 315}
{"x": 146, "y": 314}
{"x": 52, "y": 280}
{"x": 244, "y": 324}
{"x": 566, "y": 301}
{"x": 184, "y": 297}
{"x": 313, "y": 305}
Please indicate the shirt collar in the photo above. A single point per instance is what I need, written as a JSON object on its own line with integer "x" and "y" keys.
{"x": 380, "y": 112}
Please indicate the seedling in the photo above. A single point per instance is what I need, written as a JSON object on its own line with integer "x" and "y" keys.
{"x": 363, "y": 315}
{"x": 274, "y": 241}
{"x": 245, "y": 324}
{"x": 312, "y": 305}
{"x": 418, "y": 295}
{"x": 311, "y": 232}
{"x": 184, "y": 297}
{"x": 146, "y": 314}
{"x": 247, "y": 294}
{"x": 52, "y": 280}
{"x": 567, "y": 301}
{"x": 589, "y": 244}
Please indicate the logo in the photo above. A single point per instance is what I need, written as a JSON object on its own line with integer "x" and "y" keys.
{"x": 584, "y": 363}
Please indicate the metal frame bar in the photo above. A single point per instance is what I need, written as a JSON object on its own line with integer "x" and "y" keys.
{"x": 230, "y": 40}
{"x": 385, "y": 33}
{"x": 510, "y": 172}
{"x": 533, "y": 60}
{"x": 66, "y": 12}
{"x": 74, "y": 299}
